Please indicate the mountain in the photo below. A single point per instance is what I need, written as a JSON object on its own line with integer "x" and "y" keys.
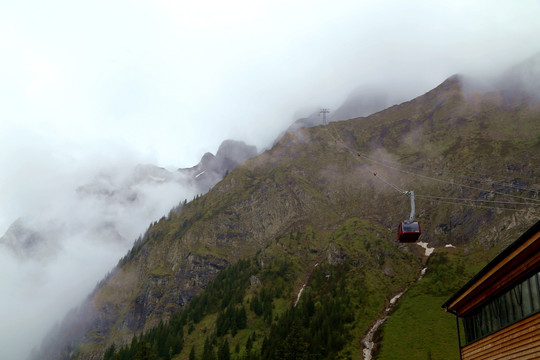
{"x": 77, "y": 232}
{"x": 364, "y": 101}
{"x": 522, "y": 81}
{"x": 212, "y": 168}
{"x": 298, "y": 244}
{"x": 114, "y": 192}
{"x": 25, "y": 242}
{"x": 361, "y": 102}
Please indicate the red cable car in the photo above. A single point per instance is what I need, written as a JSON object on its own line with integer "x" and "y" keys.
{"x": 409, "y": 230}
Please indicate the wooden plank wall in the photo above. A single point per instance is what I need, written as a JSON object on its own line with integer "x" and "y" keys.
{"x": 518, "y": 341}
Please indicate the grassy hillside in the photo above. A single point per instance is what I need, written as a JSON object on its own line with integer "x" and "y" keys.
{"x": 250, "y": 306}
{"x": 418, "y": 324}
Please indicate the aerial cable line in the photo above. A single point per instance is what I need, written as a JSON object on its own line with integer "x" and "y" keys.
{"x": 395, "y": 187}
{"x": 435, "y": 198}
{"x": 500, "y": 183}
{"x": 488, "y": 207}
{"x": 387, "y": 182}
{"x": 385, "y": 162}
{"x": 380, "y": 177}
{"x": 382, "y": 162}
{"x": 431, "y": 197}
{"x": 451, "y": 182}
{"x": 409, "y": 230}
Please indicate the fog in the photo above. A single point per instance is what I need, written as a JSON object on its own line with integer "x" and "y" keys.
{"x": 89, "y": 91}
{"x": 76, "y": 221}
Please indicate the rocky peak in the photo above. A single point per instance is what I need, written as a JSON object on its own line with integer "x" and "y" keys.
{"x": 212, "y": 168}
{"x": 237, "y": 151}
{"x": 26, "y": 243}
{"x": 522, "y": 79}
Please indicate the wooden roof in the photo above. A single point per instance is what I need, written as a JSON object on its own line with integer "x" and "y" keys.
{"x": 516, "y": 262}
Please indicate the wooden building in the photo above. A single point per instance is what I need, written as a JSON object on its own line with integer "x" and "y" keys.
{"x": 498, "y": 310}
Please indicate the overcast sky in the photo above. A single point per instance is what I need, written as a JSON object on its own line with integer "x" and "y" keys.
{"x": 164, "y": 81}
{"x": 91, "y": 84}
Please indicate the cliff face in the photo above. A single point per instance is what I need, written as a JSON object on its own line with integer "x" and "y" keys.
{"x": 444, "y": 145}
{"x": 213, "y": 168}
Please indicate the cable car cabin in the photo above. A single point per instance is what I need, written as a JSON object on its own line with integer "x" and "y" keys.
{"x": 409, "y": 232}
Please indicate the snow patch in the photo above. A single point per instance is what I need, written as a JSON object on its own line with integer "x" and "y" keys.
{"x": 299, "y": 294}
{"x": 302, "y": 289}
{"x": 367, "y": 341}
{"x": 393, "y": 301}
{"x": 395, "y": 298}
{"x": 429, "y": 250}
{"x": 422, "y": 273}
{"x": 199, "y": 174}
{"x": 449, "y": 246}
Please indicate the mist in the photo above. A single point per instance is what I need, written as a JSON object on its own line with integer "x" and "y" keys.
{"x": 76, "y": 219}
{"x": 92, "y": 91}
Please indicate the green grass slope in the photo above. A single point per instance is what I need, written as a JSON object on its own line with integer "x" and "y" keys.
{"x": 418, "y": 328}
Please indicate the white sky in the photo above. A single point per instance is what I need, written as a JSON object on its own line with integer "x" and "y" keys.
{"x": 86, "y": 84}
{"x": 170, "y": 79}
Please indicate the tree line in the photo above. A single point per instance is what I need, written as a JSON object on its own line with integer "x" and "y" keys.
{"x": 318, "y": 327}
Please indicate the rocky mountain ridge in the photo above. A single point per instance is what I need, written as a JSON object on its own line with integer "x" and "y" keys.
{"x": 360, "y": 103}
{"x": 442, "y": 144}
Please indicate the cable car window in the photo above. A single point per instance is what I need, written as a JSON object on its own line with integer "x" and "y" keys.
{"x": 411, "y": 227}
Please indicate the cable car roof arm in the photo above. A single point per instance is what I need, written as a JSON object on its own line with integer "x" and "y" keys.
{"x": 411, "y": 194}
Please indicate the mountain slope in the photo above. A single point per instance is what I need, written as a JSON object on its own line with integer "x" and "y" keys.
{"x": 314, "y": 182}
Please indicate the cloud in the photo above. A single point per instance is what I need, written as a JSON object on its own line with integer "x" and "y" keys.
{"x": 86, "y": 210}
{"x": 214, "y": 14}
{"x": 37, "y": 295}
{"x": 112, "y": 84}
{"x": 174, "y": 79}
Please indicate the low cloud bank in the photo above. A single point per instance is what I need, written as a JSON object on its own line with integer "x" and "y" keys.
{"x": 72, "y": 224}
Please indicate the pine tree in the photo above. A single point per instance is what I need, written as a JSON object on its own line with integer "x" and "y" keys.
{"x": 109, "y": 353}
{"x": 294, "y": 347}
{"x": 256, "y": 306}
{"x": 241, "y": 318}
{"x": 143, "y": 351}
{"x": 224, "y": 352}
{"x": 208, "y": 350}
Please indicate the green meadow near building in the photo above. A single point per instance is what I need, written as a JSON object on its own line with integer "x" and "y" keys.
{"x": 498, "y": 310}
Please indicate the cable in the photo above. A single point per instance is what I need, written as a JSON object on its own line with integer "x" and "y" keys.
{"x": 371, "y": 170}
{"x": 389, "y": 183}
{"x": 382, "y": 162}
{"x": 477, "y": 200}
{"x": 358, "y": 155}
{"x": 452, "y": 182}
{"x": 489, "y": 207}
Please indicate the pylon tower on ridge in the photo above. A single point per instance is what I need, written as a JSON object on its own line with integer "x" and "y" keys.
{"x": 324, "y": 111}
